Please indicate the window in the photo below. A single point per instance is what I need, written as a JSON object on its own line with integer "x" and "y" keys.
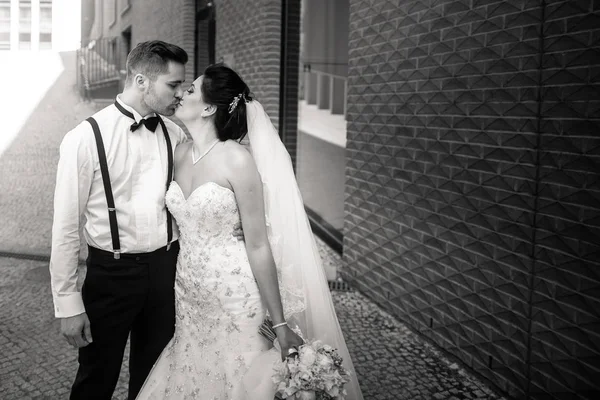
{"x": 45, "y": 24}
{"x": 24, "y": 24}
{"x": 321, "y": 147}
{"x": 4, "y": 24}
{"x": 45, "y": 41}
{"x": 25, "y": 41}
{"x": 127, "y": 40}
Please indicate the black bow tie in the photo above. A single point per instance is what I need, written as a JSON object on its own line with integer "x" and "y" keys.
{"x": 150, "y": 123}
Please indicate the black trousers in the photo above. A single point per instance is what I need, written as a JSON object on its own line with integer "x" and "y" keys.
{"x": 133, "y": 295}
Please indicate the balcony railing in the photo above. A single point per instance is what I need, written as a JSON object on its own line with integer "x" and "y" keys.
{"x": 328, "y": 91}
{"x": 98, "y": 65}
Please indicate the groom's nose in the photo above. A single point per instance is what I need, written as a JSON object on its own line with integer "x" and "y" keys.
{"x": 179, "y": 93}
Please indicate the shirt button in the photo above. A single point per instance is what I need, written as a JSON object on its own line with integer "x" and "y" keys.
{"x": 137, "y": 259}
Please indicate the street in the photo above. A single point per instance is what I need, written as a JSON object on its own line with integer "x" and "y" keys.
{"x": 391, "y": 361}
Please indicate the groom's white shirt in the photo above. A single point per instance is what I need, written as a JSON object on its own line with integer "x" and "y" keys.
{"x": 137, "y": 163}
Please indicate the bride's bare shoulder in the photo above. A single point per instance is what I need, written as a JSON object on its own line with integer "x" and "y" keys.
{"x": 236, "y": 149}
{"x": 237, "y": 155}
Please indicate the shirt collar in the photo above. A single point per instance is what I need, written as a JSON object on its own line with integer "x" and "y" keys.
{"x": 136, "y": 114}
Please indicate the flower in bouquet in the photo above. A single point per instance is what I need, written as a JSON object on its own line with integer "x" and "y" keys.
{"x": 316, "y": 373}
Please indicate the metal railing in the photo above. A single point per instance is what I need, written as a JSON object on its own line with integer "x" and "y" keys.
{"x": 327, "y": 90}
{"x": 98, "y": 65}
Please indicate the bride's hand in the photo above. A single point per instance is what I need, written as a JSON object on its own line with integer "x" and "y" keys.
{"x": 288, "y": 340}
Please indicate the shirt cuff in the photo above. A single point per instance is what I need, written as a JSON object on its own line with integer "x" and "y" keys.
{"x": 68, "y": 305}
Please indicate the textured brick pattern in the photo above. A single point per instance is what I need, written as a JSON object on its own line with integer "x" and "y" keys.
{"x": 289, "y": 83}
{"x": 251, "y": 32}
{"x": 566, "y": 302}
{"x": 172, "y": 21}
{"x": 203, "y": 56}
{"x": 442, "y": 175}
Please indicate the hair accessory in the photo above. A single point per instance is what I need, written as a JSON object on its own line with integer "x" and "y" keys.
{"x": 234, "y": 102}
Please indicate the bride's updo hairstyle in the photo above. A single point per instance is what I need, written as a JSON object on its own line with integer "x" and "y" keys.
{"x": 223, "y": 88}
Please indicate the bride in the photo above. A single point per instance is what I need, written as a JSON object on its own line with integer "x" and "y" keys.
{"x": 224, "y": 287}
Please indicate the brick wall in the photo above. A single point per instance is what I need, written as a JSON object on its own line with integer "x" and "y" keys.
{"x": 203, "y": 56}
{"x": 172, "y": 21}
{"x": 250, "y": 31}
{"x": 251, "y": 34}
{"x": 290, "y": 82}
{"x": 566, "y": 297}
{"x": 472, "y": 195}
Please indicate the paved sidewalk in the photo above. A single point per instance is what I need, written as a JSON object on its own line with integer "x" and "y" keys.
{"x": 392, "y": 363}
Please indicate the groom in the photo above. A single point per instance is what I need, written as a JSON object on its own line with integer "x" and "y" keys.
{"x": 114, "y": 169}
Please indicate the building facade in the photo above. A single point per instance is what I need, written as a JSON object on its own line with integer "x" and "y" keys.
{"x": 110, "y": 28}
{"x": 455, "y": 149}
{"x": 25, "y": 24}
{"x": 33, "y": 25}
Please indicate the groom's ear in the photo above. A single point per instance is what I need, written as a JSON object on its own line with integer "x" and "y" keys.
{"x": 208, "y": 111}
{"x": 140, "y": 81}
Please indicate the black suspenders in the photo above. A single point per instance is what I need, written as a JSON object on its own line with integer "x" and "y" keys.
{"x": 110, "y": 201}
{"x": 169, "y": 179}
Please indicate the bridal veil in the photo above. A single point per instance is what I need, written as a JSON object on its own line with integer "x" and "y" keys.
{"x": 303, "y": 284}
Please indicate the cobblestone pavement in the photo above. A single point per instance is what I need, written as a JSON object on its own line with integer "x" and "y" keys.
{"x": 392, "y": 362}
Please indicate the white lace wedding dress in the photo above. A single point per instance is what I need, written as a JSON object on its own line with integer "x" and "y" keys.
{"x": 218, "y": 305}
{"x": 217, "y": 352}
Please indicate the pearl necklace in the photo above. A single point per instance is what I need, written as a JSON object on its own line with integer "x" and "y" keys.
{"x": 195, "y": 160}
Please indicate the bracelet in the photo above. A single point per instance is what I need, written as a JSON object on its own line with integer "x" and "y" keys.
{"x": 278, "y": 325}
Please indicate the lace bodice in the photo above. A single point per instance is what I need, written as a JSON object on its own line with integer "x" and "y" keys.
{"x": 204, "y": 213}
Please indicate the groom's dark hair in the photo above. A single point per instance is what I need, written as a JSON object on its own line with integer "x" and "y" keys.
{"x": 152, "y": 59}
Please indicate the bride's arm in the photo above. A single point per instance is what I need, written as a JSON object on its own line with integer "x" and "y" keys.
{"x": 247, "y": 186}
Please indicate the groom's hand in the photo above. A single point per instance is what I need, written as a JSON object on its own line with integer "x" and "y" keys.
{"x": 238, "y": 233}
{"x": 76, "y": 330}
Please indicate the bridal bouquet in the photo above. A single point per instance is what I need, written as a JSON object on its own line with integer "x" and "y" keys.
{"x": 316, "y": 373}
